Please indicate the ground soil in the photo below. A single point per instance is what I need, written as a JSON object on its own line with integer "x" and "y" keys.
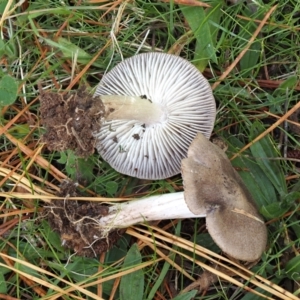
{"x": 76, "y": 223}
{"x": 70, "y": 120}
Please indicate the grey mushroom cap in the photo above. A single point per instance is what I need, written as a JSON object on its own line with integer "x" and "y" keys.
{"x": 154, "y": 149}
{"x": 213, "y": 188}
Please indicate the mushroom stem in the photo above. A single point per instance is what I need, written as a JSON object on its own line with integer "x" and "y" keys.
{"x": 161, "y": 207}
{"x": 120, "y": 107}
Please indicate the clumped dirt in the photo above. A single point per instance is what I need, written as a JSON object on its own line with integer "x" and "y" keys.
{"x": 76, "y": 223}
{"x": 70, "y": 120}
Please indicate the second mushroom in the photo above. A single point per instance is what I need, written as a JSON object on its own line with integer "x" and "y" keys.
{"x": 212, "y": 189}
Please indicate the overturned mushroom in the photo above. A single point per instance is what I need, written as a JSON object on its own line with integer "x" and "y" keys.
{"x": 144, "y": 114}
{"x": 213, "y": 189}
{"x": 155, "y": 103}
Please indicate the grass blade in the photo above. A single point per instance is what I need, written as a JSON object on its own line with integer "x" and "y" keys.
{"x": 133, "y": 283}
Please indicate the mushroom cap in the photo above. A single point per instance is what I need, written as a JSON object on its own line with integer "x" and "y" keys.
{"x": 213, "y": 187}
{"x": 155, "y": 151}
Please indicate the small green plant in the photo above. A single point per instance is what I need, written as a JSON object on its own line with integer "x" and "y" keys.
{"x": 8, "y": 90}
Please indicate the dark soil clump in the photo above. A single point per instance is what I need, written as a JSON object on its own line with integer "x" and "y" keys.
{"x": 76, "y": 223}
{"x": 70, "y": 120}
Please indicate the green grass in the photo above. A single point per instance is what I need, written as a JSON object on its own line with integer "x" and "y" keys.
{"x": 52, "y": 42}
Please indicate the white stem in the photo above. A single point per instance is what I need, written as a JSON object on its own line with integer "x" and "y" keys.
{"x": 121, "y": 107}
{"x": 162, "y": 207}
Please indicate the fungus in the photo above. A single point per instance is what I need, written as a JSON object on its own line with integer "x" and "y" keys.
{"x": 144, "y": 114}
{"x": 212, "y": 189}
{"x": 155, "y": 104}
{"x": 232, "y": 218}
{"x": 156, "y": 110}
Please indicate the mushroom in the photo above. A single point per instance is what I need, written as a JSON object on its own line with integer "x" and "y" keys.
{"x": 212, "y": 189}
{"x": 155, "y": 103}
{"x": 213, "y": 185}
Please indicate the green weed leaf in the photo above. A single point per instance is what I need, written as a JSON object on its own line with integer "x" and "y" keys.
{"x": 289, "y": 84}
{"x": 3, "y": 285}
{"x": 79, "y": 268}
{"x": 187, "y": 296}
{"x": 111, "y": 188}
{"x": 204, "y": 33}
{"x": 3, "y": 6}
{"x": 118, "y": 251}
{"x": 8, "y": 90}
{"x": 132, "y": 284}
{"x": 252, "y": 55}
{"x": 292, "y": 197}
{"x": 250, "y": 58}
{"x": 274, "y": 210}
{"x": 69, "y": 159}
{"x": 294, "y": 221}
{"x": 292, "y": 268}
{"x": 257, "y": 183}
{"x": 265, "y": 155}
{"x": 70, "y": 50}
{"x": 7, "y": 49}
{"x": 27, "y": 270}
{"x": 85, "y": 167}
{"x": 63, "y": 158}
{"x": 52, "y": 236}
